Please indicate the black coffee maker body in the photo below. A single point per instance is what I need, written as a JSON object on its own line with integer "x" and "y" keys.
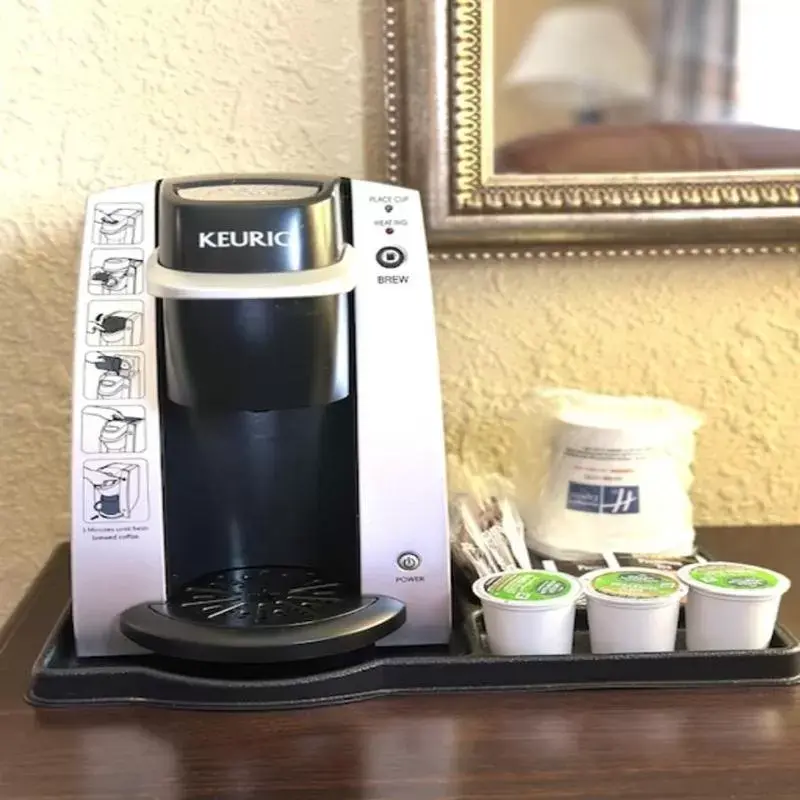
{"x": 286, "y": 439}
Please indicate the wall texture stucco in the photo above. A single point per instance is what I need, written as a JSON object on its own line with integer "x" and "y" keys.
{"x": 96, "y": 93}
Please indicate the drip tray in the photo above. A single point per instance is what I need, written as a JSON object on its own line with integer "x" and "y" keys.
{"x": 262, "y": 597}
{"x": 62, "y": 679}
{"x": 262, "y": 615}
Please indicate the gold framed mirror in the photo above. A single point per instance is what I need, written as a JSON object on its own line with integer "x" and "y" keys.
{"x": 590, "y": 127}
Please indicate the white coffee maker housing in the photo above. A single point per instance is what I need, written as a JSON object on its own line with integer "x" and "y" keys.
{"x": 291, "y": 496}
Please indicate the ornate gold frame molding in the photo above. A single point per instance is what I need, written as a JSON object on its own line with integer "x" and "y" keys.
{"x": 437, "y": 101}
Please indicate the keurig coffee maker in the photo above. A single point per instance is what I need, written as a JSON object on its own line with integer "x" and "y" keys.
{"x": 290, "y": 494}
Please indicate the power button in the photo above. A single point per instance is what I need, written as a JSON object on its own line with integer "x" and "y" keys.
{"x": 390, "y": 257}
{"x": 408, "y": 561}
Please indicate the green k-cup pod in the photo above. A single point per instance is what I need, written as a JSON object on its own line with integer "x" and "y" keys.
{"x": 633, "y": 584}
{"x": 742, "y": 580}
{"x": 530, "y": 587}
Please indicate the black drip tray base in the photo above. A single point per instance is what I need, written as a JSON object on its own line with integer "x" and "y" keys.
{"x": 262, "y": 615}
{"x": 61, "y": 679}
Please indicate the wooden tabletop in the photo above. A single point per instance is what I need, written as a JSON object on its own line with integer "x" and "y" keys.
{"x": 708, "y": 744}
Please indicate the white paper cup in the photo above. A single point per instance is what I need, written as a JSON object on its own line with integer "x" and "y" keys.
{"x": 731, "y": 606}
{"x": 529, "y": 612}
{"x": 633, "y": 609}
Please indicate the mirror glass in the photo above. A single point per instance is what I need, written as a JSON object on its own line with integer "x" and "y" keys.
{"x": 626, "y": 86}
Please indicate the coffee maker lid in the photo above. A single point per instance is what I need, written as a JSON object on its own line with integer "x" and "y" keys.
{"x": 250, "y": 224}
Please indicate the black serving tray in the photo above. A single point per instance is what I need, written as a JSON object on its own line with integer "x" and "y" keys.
{"x": 60, "y": 678}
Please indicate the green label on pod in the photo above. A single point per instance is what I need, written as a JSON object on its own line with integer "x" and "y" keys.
{"x": 635, "y": 584}
{"x": 731, "y": 576}
{"x": 528, "y": 586}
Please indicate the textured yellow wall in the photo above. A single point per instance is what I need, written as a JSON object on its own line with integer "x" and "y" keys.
{"x": 96, "y": 93}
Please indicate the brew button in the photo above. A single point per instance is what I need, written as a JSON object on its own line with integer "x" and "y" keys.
{"x": 390, "y": 257}
{"x": 408, "y": 561}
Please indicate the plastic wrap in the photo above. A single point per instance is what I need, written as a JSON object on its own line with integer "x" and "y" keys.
{"x": 596, "y": 474}
{"x": 487, "y": 534}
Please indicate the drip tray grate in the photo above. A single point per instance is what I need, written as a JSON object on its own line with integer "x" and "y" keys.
{"x": 262, "y": 597}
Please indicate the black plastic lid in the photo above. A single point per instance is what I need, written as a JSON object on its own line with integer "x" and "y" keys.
{"x": 249, "y": 223}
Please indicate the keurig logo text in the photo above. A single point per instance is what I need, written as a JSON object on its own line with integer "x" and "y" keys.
{"x": 223, "y": 239}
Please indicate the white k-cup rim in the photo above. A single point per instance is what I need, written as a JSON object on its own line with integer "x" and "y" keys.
{"x": 542, "y": 604}
{"x": 782, "y": 583}
{"x": 594, "y": 594}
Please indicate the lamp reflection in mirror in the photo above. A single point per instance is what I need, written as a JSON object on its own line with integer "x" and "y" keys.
{"x": 586, "y": 58}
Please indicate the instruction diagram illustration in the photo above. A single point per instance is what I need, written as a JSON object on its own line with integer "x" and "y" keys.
{"x": 116, "y": 271}
{"x": 115, "y": 490}
{"x": 118, "y": 223}
{"x": 115, "y": 324}
{"x": 105, "y": 429}
{"x": 113, "y": 376}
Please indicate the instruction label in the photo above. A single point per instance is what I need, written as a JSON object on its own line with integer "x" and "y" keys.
{"x": 117, "y": 518}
